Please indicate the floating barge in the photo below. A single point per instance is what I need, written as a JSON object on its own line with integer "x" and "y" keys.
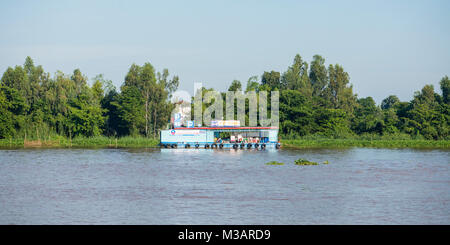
{"x": 220, "y": 137}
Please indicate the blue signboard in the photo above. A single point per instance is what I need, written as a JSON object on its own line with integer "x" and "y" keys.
{"x": 177, "y": 117}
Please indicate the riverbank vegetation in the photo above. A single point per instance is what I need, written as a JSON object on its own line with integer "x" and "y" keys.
{"x": 318, "y": 108}
{"x": 81, "y": 141}
{"x": 375, "y": 143}
{"x": 140, "y": 141}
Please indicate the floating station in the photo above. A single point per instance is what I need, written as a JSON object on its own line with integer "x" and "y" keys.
{"x": 221, "y": 134}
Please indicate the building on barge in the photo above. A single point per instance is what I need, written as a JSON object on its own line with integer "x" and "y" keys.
{"x": 221, "y": 136}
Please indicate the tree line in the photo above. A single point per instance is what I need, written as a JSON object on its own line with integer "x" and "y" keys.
{"x": 318, "y": 100}
{"x": 35, "y": 104}
{"x": 315, "y": 99}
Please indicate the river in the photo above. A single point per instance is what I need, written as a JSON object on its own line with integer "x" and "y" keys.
{"x": 188, "y": 186}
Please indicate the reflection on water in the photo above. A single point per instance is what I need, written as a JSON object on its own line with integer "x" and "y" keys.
{"x": 198, "y": 186}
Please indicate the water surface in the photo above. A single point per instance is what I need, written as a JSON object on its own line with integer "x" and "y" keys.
{"x": 178, "y": 186}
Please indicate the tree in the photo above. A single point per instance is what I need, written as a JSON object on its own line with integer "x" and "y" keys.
{"x": 34, "y": 74}
{"x": 391, "y": 122}
{"x": 389, "y": 102}
{"x": 318, "y": 75}
{"x": 424, "y": 116}
{"x": 97, "y": 90}
{"x": 13, "y": 110}
{"x": 271, "y": 79}
{"x": 296, "y": 114}
{"x": 332, "y": 122}
{"x": 155, "y": 91}
{"x": 445, "y": 87}
{"x": 6, "y": 117}
{"x": 85, "y": 116}
{"x": 235, "y": 86}
{"x": 367, "y": 118}
{"x": 252, "y": 84}
{"x": 114, "y": 125}
{"x": 161, "y": 104}
{"x": 79, "y": 80}
{"x": 130, "y": 106}
{"x": 169, "y": 85}
{"x": 17, "y": 79}
{"x": 296, "y": 77}
{"x": 147, "y": 84}
{"x": 143, "y": 78}
{"x": 101, "y": 87}
{"x": 34, "y": 103}
{"x": 337, "y": 92}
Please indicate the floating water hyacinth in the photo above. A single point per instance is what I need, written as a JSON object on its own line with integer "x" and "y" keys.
{"x": 304, "y": 162}
{"x": 274, "y": 163}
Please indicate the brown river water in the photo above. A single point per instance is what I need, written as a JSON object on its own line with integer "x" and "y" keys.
{"x": 189, "y": 186}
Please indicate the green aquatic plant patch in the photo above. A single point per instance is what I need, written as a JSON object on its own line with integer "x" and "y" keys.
{"x": 274, "y": 163}
{"x": 304, "y": 162}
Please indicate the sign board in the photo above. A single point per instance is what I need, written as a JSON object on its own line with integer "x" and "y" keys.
{"x": 225, "y": 123}
{"x": 186, "y": 132}
{"x": 177, "y": 117}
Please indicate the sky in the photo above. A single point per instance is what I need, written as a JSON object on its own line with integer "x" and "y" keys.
{"x": 387, "y": 47}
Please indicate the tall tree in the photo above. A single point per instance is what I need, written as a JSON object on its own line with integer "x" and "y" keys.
{"x": 338, "y": 92}
{"x": 144, "y": 79}
{"x": 79, "y": 79}
{"x": 296, "y": 77}
{"x": 7, "y": 128}
{"x": 296, "y": 114}
{"x": 131, "y": 109}
{"x": 163, "y": 91}
{"x": 424, "y": 116}
{"x": 271, "y": 79}
{"x": 318, "y": 75}
{"x": 147, "y": 87}
{"x": 445, "y": 87}
{"x": 367, "y": 118}
{"x": 235, "y": 86}
{"x": 170, "y": 85}
{"x": 389, "y": 102}
{"x": 252, "y": 84}
{"x": 17, "y": 78}
{"x": 85, "y": 115}
{"x": 155, "y": 91}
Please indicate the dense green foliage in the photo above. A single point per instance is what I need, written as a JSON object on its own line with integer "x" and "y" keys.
{"x": 315, "y": 101}
{"x": 35, "y": 105}
{"x": 319, "y": 101}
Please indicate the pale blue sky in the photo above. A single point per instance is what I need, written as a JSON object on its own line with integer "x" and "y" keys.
{"x": 387, "y": 47}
